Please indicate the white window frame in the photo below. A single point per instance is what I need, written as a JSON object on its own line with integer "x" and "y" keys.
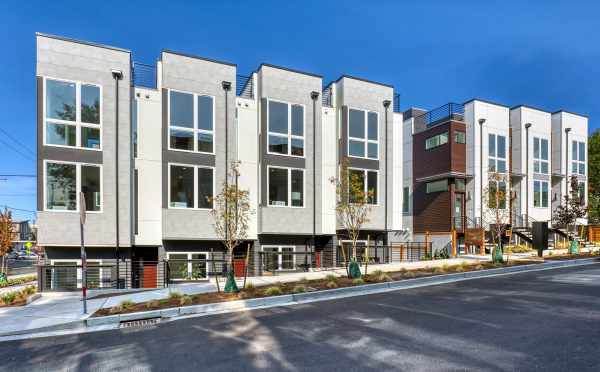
{"x": 189, "y": 263}
{"x": 77, "y": 185}
{"x": 78, "y": 124}
{"x": 289, "y": 180}
{"x": 496, "y": 158}
{"x": 539, "y": 160}
{"x": 169, "y": 165}
{"x": 445, "y": 134}
{"x": 577, "y": 160}
{"x": 366, "y": 189}
{"x": 289, "y": 135}
{"x": 366, "y": 139}
{"x": 280, "y": 255}
{"x": 541, "y": 183}
{"x": 195, "y": 130}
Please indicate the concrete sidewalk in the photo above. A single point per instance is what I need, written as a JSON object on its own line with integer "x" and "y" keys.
{"x": 65, "y": 308}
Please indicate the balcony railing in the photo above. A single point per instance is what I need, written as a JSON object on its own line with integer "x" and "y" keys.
{"x": 449, "y": 111}
{"x": 397, "y": 102}
{"x": 143, "y": 75}
{"x": 327, "y": 97}
{"x": 245, "y": 86}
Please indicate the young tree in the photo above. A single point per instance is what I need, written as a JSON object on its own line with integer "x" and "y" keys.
{"x": 231, "y": 214}
{"x": 594, "y": 178}
{"x": 566, "y": 215}
{"x": 497, "y": 210}
{"x": 352, "y": 209}
{"x": 6, "y": 236}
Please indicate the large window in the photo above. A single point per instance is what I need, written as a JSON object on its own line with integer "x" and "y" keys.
{"x": 191, "y": 122}
{"x": 73, "y": 114}
{"x": 496, "y": 153}
{"x": 405, "y": 199}
{"x": 286, "y": 187}
{"x": 436, "y": 186}
{"x": 540, "y": 155}
{"x": 497, "y": 195}
{"x": 63, "y": 181}
{"x": 436, "y": 140}
{"x": 368, "y": 181}
{"x": 286, "y": 129}
{"x": 278, "y": 258}
{"x": 578, "y": 157}
{"x": 363, "y": 134}
{"x": 540, "y": 194}
{"x": 191, "y": 187}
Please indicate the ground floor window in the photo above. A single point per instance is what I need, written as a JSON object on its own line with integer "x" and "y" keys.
{"x": 540, "y": 194}
{"x": 187, "y": 265}
{"x": 68, "y": 274}
{"x": 279, "y": 258}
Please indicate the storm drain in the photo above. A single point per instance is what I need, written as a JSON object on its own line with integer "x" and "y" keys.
{"x": 139, "y": 323}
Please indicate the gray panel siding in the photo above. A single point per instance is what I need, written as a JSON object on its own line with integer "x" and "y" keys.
{"x": 68, "y": 60}
{"x": 292, "y": 87}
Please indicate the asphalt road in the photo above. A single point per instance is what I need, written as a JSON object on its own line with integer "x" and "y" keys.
{"x": 546, "y": 321}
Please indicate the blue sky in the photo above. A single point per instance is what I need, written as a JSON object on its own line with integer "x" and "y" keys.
{"x": 541, "y": 53}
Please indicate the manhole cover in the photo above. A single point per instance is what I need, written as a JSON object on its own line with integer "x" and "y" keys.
{"x": 140, "y": 323}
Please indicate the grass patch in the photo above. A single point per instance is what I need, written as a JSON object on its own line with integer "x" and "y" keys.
{"x": 331, "y": 284}
{"x": 17, "y": 281}
{"x": 273, "y": 291}
{"x": 175, "y": 295}
{"x": 185, "y": 300}
{"x": 358, "y": 281}
{"x": 300, "y": 288}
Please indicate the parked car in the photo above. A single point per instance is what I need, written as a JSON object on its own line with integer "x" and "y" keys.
{"x": 24, "y": 255}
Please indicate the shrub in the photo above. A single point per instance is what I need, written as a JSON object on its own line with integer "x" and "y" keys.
{"x": 331, "y": 284}
{"x": 439, "y": 270}
{"x": 478, "y": 267}
{"x": 272, "y": 291}
{"x": 250, "y": 286}
{"x": 126, "y": 304}
{"x": 331, "y": 278}
{"x": 175, "y": 295}
{"x": 29, "y": 290}
{"x": 403, "y": 270}
{"x": 152, "y": 304}
{"x": 17, "y": 281}
{"x": 9, "y": 298}
{"x": 358, "y": 281}
{"x": 465, "y": 265}
{"x": 458, "y": 269}
{"x": 409, "y": 274}
{"x": 185, "y": 300}
{"x": 299, "y": 289}
{"x": 376, "y": 272}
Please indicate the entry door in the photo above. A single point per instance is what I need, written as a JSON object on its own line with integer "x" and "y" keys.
{"x": 459, "y": 211}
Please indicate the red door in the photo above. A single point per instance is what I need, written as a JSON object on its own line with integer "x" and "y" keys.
{"x": 318, "y": 259}
{"x": 149, "y": 276}
{"x": 239, "y": 267}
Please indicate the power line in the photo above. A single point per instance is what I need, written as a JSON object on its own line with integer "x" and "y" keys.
{"x": 19, "y": 209}
{"x": 18, "y": 175}
{"x": 17, "y": 141}
{"x": 17, "y": 150}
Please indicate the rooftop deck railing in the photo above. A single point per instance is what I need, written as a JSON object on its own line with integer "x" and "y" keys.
{"x": 143, "y": 75}
{"x": 245, "y": 86}
{"x": 454, "y": 111}
{"x": 327, "y": 97}
{"x": 397, "y": 102}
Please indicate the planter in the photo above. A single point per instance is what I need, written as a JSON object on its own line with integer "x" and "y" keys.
{"x": 573, "y": 247}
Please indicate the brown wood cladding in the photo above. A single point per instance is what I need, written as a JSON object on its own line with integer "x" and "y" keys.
{"x": 433, "y": 212}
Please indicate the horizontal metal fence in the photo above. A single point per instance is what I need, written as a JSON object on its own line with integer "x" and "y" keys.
{"x": 143, "y": 75}
{"x": 245, "y": 86}
{"x": 443, "y": 113}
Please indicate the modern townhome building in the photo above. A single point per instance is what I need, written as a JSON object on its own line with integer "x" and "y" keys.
{"x": 149, "y": 146}
{"x": 454, "y": 150}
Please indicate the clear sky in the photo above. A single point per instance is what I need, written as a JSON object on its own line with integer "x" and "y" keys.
{"x": 541, "y": 53}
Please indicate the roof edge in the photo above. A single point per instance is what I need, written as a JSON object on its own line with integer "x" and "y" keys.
{"x": 364, "y": 80}
{"x": 182, "y": 54}
{"x": 62, "y": 38}
{"x": 529, "y": 107}
{"x": 289, "y": 69}
{"x": 572, "y": 113}
{"x": 485, "y": 101}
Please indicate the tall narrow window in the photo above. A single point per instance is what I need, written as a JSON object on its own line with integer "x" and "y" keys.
{"x": 363, "y": 184}
{"x": 578, "y": 157}
{"x": 540, "y": 194}
{"x": 286, "y": 128}
{"x": 205, "y": 188}
{"x": 182, "y": 187}
{"x": 405, "y": 200}
{"x": 496, "y": 153}
{"x": 61, "y": 186}
{"x": 363, "y": 134}
{"x": 460, "y": 137}
{"x": 581, "y": 192}
{"x": 497, "y": 195}
{"x": 540, "y": 155}
{"x": 191, "y": 122}
{"x": 297, "y": 186}
{"x": 90, "y": 186}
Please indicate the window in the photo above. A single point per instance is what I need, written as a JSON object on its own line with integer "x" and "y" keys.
{"x": 72, "y": 114}
{"x": 286, "y": 187}
{"x": 367, "y": 189}
{"x": 459, "y": 185}
{"x": 540, "y": 194}
{"x": 286, "y": 129}
{"x": 497, "y": 194}
{"x": 578, "y": 157}
{"x": 363, "y": 134}
{"x": 405, "y": 200}
{"x": 436, "y": 141}
{"x": 540, "y": 155}
{"x": 581, "y": 192}
{"x": 191, "y": 122}
{"x": 279, "y": 258}
{"x": 460, "y": 137}
{"x": 63, "y": 181}
{"x": 436, "y": 186}
{"x": 496, "y": 153}
{"x": 191, "y": 187}
{"x": 187, "y": 265}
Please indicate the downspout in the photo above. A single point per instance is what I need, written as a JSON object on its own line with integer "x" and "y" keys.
{"x": 314, "y": 95}
{"x": 117, "y": 75}
{"x": 527, "y": 126}
{"x": 386, "y": 104}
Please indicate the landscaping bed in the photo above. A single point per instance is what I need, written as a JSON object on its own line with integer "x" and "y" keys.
{"x": 330, "y": 282}
{"x": 18, "y": 281}
{"x": 563, "y": 257}
{"x": 17, "y": 298}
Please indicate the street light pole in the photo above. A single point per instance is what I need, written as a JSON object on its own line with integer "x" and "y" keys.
{"x": 481, "y": 122}
{"x": 527, "y": 126}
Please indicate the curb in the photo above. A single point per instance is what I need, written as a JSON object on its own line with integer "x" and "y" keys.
{"x": 112, "y": 321}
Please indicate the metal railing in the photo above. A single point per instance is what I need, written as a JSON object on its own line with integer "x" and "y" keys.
{"x": 143, "y": 75}
{"x": 327, "y": 96}
{"x": 245, "y": 86}
{"x": 397, "y": 102}
{"x": 454, "y": 111}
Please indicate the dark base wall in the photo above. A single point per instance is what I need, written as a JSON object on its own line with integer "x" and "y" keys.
{"x": 93, "y": 253}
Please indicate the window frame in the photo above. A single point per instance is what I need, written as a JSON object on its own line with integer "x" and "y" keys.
{"x": 189, "y": 263}
{"x": 366, "y": 178}
{"x": 280, "y": 255}
{"x": 541, "y": 183}
{"x": 195, "y": 208}
{"x": 406, "y": 200}
{"x": 289, "y": 184}
{"x": 460, "y": 133}
{"x": 440, "y": 136}
{"x": 77, "y": 185}
{"x": 365, "y": 140}
{"x": 78, "y": 124}
{"x": 496, "y": 158}
{"x": 195, "y": 130}
{"x": 289, "y": 135}
{"x": 577, "y": 161}
{"x": 539, "y": 159}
